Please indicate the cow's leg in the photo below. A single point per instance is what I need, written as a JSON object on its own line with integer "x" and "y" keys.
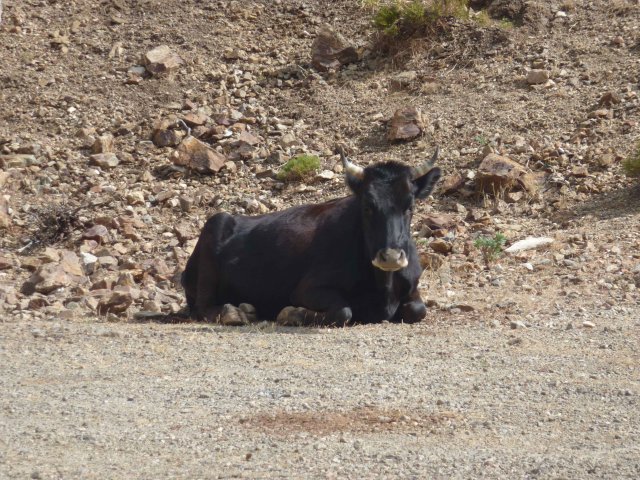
{"x": 328, "y": 301}
{"x": 412, "y": 309}
{"x": 200, "y": 278}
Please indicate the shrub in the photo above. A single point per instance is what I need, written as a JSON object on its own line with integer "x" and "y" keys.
{"x": 408, "y": 16}
{"x": 299, "y": 167}
{"x": 491, "y": 248}
{"x": 632, "y": 164}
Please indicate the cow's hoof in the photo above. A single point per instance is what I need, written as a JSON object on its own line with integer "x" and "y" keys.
{"x": 413, "y": 312}
{"x": 293, "y": 317}
{"x": 339, "y": 318}
{"x": 232, "y": 316}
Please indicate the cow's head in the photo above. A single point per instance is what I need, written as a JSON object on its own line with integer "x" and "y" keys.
{"x": 387, "y": 193}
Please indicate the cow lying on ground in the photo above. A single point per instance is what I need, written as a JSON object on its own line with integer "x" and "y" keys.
{"x": 351, "y": 259}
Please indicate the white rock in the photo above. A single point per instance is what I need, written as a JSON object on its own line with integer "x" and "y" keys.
{"x": 529, "y": 243}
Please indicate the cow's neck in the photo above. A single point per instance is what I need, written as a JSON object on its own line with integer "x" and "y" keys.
{"x": 384, "y": 281}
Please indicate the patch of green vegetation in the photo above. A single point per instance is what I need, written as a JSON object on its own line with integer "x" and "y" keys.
{"x": 505, "y": 24}
{"x": 299, "y": 167}
{"x": 632, "y": 164}
{"x": 482, "y": 140}
{"x": 490, "y": 247}
{"x": 397, "y": 16}
{"x": 482, "y": 18}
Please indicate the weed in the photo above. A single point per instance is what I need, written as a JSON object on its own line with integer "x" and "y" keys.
{"x": 398, "y": 17}
{"x": 632, "y": 164}
{"x": 505, "y": 24}
{"x": 299, "y": 167}
{"x": 491, "y": 248}
{"x": 482, "y": 140}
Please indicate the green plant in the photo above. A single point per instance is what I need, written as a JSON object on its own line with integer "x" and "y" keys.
{"x": 482, "y": 18}
{"x": 299, "y": 167}
{"x": 505, "y": 24}
{"x": 632, "y": 164}
{"x": 490, "y": 247}
{"x": 395, "y": 17}
{"x": 482, "y": 140}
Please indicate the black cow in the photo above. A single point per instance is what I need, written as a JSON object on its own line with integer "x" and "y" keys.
{"x": 352, "y": 259}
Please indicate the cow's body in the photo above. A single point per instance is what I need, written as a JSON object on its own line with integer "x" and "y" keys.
{"x": 312, "y": 256}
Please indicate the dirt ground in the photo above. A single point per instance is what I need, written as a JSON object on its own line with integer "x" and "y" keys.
{"x": 526, "y": 368}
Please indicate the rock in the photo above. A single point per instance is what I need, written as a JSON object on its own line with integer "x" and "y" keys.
{"x": 580, "y": 171}
{"x": 6, "y": 261}
{"x": 5, "y": 217}
{"x": 166, "y": 133}
{"x": 104, "y": 160}
{"x": 406, "y": 123}
{"x": 161, "y": 60}
{"x": 103, "y": 144}
{"x": 325, "y": 175}
{"x": 288, "y": 140}
{"x": 515, "y": 324}
{"x": 18, "y": 161}
{"x": 232, "y": 316}
{"x": 330, "y": 50}
{"x": 403, "y": 80}
{"x": 537, "y": 77}
{"x": 184, "y": 232}
{"x": 99, "y": 233}
{"x": 193, "y": 119}
{"x": 498, "y": 174}
{"x": 451, "y": 183}
{"x": 439, "y": 221}
{"x": 117, "y": 302}
{"x": 529, "y": 244}
{"x": 52, "y": 276}
{"x": 249, "y": 139}
{"x": 588, "y": 324}
{"x": 135, "y": 198}
{"x": 198, "y": 156}
{"x": 441, "y": 246}
{"x": 608, "y": 100}
{"x": 431, "y": 261}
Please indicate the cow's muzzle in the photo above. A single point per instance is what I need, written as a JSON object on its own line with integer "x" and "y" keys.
{"x": 390, "y": 259}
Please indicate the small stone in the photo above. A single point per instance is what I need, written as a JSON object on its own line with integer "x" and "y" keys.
{"x": 99, "y": 233}
{"x": 104, "y": 160}
{"x": 515, "y": 324}
{"x": 537, "y": 77}
{"x": 288, "y": 140}
{"x": 135, "y": 198}
{"x": 18, "y": 161}
{"x": 441, "y": 246}
{"x": 198, "y": 156}
{"x": 162, "y": 60}
{"x": 166, "y": 134}
{"x": 5, "y": 216}
{"x": 330, "y": 50}
{"x": 103, "y": 144}
{"x": 588, "y": 324}
{"x": 326, "y": 175}
{"x": 406, "y": 123}
{"x": 116, "y": 303}
{"x": 501, "y": 174}
{"x": 403, "y": 80}
{"x": 452, "y": 183}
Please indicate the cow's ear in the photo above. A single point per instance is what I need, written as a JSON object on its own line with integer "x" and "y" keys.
{"x": 425, "y": 183}
{"x": 353, "y": 182}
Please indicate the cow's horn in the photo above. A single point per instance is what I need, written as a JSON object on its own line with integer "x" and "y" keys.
{"x": 351, "y": 168}
{"x": 420, "y": 170}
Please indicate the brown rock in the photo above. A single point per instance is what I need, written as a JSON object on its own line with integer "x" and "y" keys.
{"x": 403, "y": 80}
{"x": 537, "y": 77}
{"x": 440, "y": 221}
{"x": 441, "y": 246}
{"x": 103, "y": 144}
{"x": 52, "y": 276}
{"x": 117, "y": 302}
{"x": 166, "y": 133}
{"x": 17, "y": 161}
{"x": 501, "y": 174}
{"x": 5, "y": 218}
{"x": 407, "y": 123}
{"x": 198, "y": 156}
{"x": 99, "y": 233}
{"x": 609, "y": 99}
{"x": 452, "y": 183}
{"x": 161, "y": 60}
{"x": 6, "y": 261}
{"x": 104, "y": 160}
{"x": 330, "y": 50}
{"x": 193, "y": 119}
{"x": 579, "y": 171}
{"x": 431, "y": 261}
